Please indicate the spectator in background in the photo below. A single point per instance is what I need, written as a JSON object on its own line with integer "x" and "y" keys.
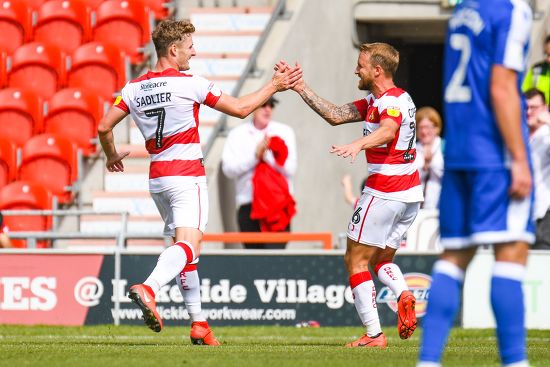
{"x": 538, "y": 76}
{"x": 260, "y": 155}
{"x": 349, "y": 196}
{"x": 4, "y": 239}
{"x": 538, "y": 119}
{"x": 429, "y": 155}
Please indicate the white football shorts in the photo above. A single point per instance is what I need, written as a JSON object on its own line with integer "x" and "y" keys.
{"x": 381, "y": 222}
{"x": 183, "y": 206}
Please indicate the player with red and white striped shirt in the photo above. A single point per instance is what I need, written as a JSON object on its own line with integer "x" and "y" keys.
{"x": 392, "y": 195}
{"x": 165, "y": 103}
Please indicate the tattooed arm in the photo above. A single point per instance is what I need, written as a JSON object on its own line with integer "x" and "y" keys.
{"x": 333, "y": 114}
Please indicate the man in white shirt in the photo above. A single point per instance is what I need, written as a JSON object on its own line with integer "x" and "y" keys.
{"x": 538, "y": 119}
{"x": 245, "y": 147}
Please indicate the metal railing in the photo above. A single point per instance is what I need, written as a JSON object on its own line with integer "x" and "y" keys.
{"x": 249, "y": 70}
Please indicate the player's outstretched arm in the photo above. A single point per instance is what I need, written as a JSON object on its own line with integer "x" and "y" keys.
{"x": 383, "y": 135}
{"x": 507, "y": 107}
{"x": 243, "y": 106}
{"x": 334, "y": 115}
{"x": 106, "y": 138}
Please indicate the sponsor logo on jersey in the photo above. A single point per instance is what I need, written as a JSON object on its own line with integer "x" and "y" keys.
{"x": 151, "y": 85}
{"x": 393, "y": 112}
{"x": 419, "y": 285}
{"x": 117, "y": 100}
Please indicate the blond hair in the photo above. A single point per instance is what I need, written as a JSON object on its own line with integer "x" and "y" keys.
{"x": 169, "y": 31}
{"x": 384, "y": 55}
{"x": 431, "y": 114}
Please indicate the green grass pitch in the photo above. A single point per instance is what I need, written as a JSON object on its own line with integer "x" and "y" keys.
{"x": 132, "y": 346}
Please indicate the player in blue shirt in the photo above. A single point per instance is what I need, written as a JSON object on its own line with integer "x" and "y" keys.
{"x": 486, "y": 193}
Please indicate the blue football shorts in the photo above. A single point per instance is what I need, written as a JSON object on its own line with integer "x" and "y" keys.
{"x": 476, "y": 209}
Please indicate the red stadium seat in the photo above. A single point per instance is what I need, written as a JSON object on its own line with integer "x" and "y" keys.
{"x": 50, "y": 160}
{"x": 160, "y": 8}
{"x": 98, "y": 68}
{"x": 32, "y": 4}
{"x": 3, "y": 69}
{"x": 8, "y": 161}
{"x": 38, "y": 67}
{"x": 26, "y": 196}
{"x": 125, "y": 24}
{"x": 15, "y": 25}
{"x": 63, "y": 23}
{"x": 20, "y": 115}
{"x": 74, "y": 113}
{"x": 93, "y": 4}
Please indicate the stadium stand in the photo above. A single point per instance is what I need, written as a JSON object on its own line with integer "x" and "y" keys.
{"x": 74, "y": 114}
{"x": 15, "y": 25}
{"x": 21, "y": 114}
{"x": 51, "y": 161}
{"x": 8, "y": 161}
{"x": 124, "y": 24}
{"x": 38, "y": 67}
{"x": 63, "y": 23}
{"x": 21, "y": 195}
{"x": 99, "y": 68}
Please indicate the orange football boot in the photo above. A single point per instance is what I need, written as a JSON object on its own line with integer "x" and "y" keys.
{"x": 143, "y": 297}
{"x": 366, "y": 341}
{"x": 201, "y": 334}
{"x": 406, "y": 315}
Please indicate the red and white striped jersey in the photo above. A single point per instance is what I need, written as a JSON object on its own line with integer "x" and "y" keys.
{"x": 165, "y": 107}
{"x": 392, "y": 174}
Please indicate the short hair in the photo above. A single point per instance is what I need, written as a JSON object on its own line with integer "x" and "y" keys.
{"x": 431, "y": 114}
{"x": 533, "y": 92}
{"x": 169, "y": 31}
{"x": 384, "y": 55}
{"x": 547, "y": 39}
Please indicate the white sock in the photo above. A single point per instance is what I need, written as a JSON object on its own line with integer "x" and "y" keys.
{"x": 428, "y": 364}
{"x": 170, "y": 263}
{"x": 390, "y": 275}
{"x": 189, "y": 284}
{"x": 364, "y": 294}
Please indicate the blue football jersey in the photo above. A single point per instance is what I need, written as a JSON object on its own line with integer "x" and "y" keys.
{"x": 481, "y": 34}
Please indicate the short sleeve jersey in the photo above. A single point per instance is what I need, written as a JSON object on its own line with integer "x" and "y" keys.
{"x": 392, "y": 173}
{"x": 165, "y": 107}
{"x": 481, "y": 34}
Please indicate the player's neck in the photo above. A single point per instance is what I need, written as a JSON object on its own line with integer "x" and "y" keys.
{"x": 164, "y": 63}
{"x": 381, "y": 86}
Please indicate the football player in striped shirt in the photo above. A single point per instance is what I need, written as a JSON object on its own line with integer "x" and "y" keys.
{"x": 165, "y": 103}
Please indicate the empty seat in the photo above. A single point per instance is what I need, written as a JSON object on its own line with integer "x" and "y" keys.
{"x": 8, "y": 161}
{"x": 20, "y": 115}
{"x": 93, "y": 4}
{"x": 32, "y": 4}
{"x": 161, "y": 9}
{"x": 15, "y": 25}
{"x": 124, "y": 24}
{"x": 50, "y": 160}
{"x": 38, "y": 67}
{"x": 63, "y": 23}
{"x": 98, "y": 68}
{"x": 21, "y": 195}
{"x": 74, "y": 113}
{"x": 3, "y": 69}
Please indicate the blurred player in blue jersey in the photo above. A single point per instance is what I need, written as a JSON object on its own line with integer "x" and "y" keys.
{"x": 486, "y": 193}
